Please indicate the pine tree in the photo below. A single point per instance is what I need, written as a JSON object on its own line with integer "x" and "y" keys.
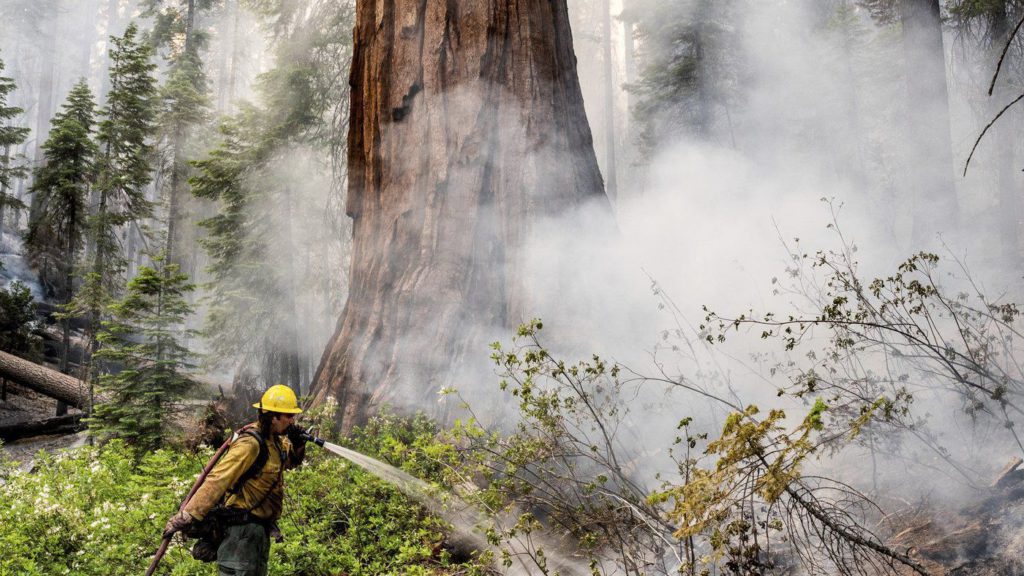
{"x": 18, "y": 322}
{"x": 124, "y": 170}
{"x": 255, "y": 318}
{"x": 10, "y": 137}
{"x": 126, "y": 151}
{"x": 250, "y": 312}
{"x": 61, "y": 187}
{"x": 143, "y": 340}
{"x": 690, "y": 66}
{"x": 185, "y": 105}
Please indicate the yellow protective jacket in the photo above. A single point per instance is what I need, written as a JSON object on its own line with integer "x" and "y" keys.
{"x": 262, "y": 495}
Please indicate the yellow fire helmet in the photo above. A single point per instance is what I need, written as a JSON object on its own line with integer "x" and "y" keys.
{"x": 279, "y": 398}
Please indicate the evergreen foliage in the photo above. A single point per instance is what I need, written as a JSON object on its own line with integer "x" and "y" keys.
{"x": 10, "y": 137}
{"x": 252, "y": 316}
{"x": 61, "y": 187}
{"x": 125, "y": 137}
{"x": 124, "y": 170}
{"x": 18, "y": 322}
{"x": 691, "y": 67}
{"x": 184, "y": 107}
{"x": 247, "y": 298}
{"x": 171, "y": 24}
{"x": 143, "y": 344}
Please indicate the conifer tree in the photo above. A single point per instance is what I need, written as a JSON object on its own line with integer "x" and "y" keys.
{"x": 687, "y": 83}
{"x": 124, "y": 170}
{"x": 10, "y": 137}
{"x": 143, "y": 339}
{"x": 61, "y": 187}
{"x": 255, "y": 318}
{"x": 126, "y": 150}
{"x": 250, "y": 309}
{"x": 185, "y": 104}
{"x": 18, "y": 322}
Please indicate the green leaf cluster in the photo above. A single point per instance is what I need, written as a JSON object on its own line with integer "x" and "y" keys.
{"x": 18, "y": 322}
{"x": 101, "y": 510}
{"x": 11, "y": 136}
{"x": 143, "y": 343}
{"x": 60, "y": 189}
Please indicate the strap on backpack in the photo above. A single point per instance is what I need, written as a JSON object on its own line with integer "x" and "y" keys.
{"x": 257, "y": 465}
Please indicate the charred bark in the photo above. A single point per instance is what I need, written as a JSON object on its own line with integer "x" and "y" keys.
{"x": 467, "y": 127}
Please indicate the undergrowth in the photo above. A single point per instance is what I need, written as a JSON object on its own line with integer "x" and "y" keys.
{"x": 101, "y": 510}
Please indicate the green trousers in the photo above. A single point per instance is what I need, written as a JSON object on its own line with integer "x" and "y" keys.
{"x": 244, "y": 551}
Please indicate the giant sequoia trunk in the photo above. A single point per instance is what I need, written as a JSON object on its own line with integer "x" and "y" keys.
{"x": 467, "y": 127}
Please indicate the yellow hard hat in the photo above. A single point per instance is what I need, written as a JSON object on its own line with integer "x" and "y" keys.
{"x": 279, "y": 398}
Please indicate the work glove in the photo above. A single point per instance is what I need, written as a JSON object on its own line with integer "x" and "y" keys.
{"x": 298, "y": 436}
{"x": 177, "y": 523}
{"x": 275, "y": 533}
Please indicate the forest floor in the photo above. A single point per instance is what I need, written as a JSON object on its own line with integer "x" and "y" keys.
{"x": 24, "y": 405}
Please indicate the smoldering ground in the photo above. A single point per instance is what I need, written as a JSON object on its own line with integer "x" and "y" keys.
{"x": 716, "y": 223}
{"x": 711, "y": 221}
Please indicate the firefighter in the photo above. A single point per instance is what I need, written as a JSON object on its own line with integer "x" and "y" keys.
{"x": 244, "y": 493}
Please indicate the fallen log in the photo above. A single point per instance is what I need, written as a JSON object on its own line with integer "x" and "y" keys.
{"x": 69, "y": 389}
{"x": 57, "y": 425}
{"x": 44, "y": 380}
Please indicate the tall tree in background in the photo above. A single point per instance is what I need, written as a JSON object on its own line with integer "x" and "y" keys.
{"x": 467, "y": 128}
{"x": 687, "y": 82}
{"x": 986, "y": 25}
{"x": 61, "y": 189}
{"x": 114, "y": 24}
{"x": 611, "y": 176}
{"x": 49, "y": 17}
{"x": 11, "y": 136}
{"x": 930, "y": 148}
{"x": 125, "y": 141}
{"x": 185, "y": 105}
{"x": 257, "y": 321}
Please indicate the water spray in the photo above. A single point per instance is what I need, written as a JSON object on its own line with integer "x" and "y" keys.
{"x": 466, "y": 522}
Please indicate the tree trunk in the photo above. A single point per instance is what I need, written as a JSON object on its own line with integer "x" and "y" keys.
{"x": 611, "y": 178}
{"x": 190, "y": 26}
{"x": 236, "y": 55}
{"x": 47, "y": 64}
{"x": 179, "y": 168}
{"x": 5, "y": 158}
{"x": 292, "y": 350}
{"x": 224, "y": 62}
{"x": 930, "y": 155}
{"x": 52, "y": 383}
{"x": 1005, "y": 133}
{"x": 467, "y": 128}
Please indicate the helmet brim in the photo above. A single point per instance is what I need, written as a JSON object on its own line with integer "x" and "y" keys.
{"x": 279, "y": 410}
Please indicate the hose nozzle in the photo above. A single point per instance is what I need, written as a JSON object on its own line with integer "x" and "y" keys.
{"x": 297, "y": 431}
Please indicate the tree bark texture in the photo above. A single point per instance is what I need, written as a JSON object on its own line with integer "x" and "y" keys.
{"x": 930, "y": 147}
{"x": 52, "y": 383}
{"x": 467, "y": 128}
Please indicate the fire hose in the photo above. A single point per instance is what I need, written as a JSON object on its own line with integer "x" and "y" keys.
{"x": 199, "y": 482}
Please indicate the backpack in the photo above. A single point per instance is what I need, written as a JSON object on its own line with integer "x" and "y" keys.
{"x": 210, "y": 531}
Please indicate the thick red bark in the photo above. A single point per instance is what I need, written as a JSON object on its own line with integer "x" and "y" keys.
{"x": 467, "y": 127}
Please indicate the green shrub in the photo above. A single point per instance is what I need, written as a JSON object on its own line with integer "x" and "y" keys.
{"x": 101, "y": 511}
